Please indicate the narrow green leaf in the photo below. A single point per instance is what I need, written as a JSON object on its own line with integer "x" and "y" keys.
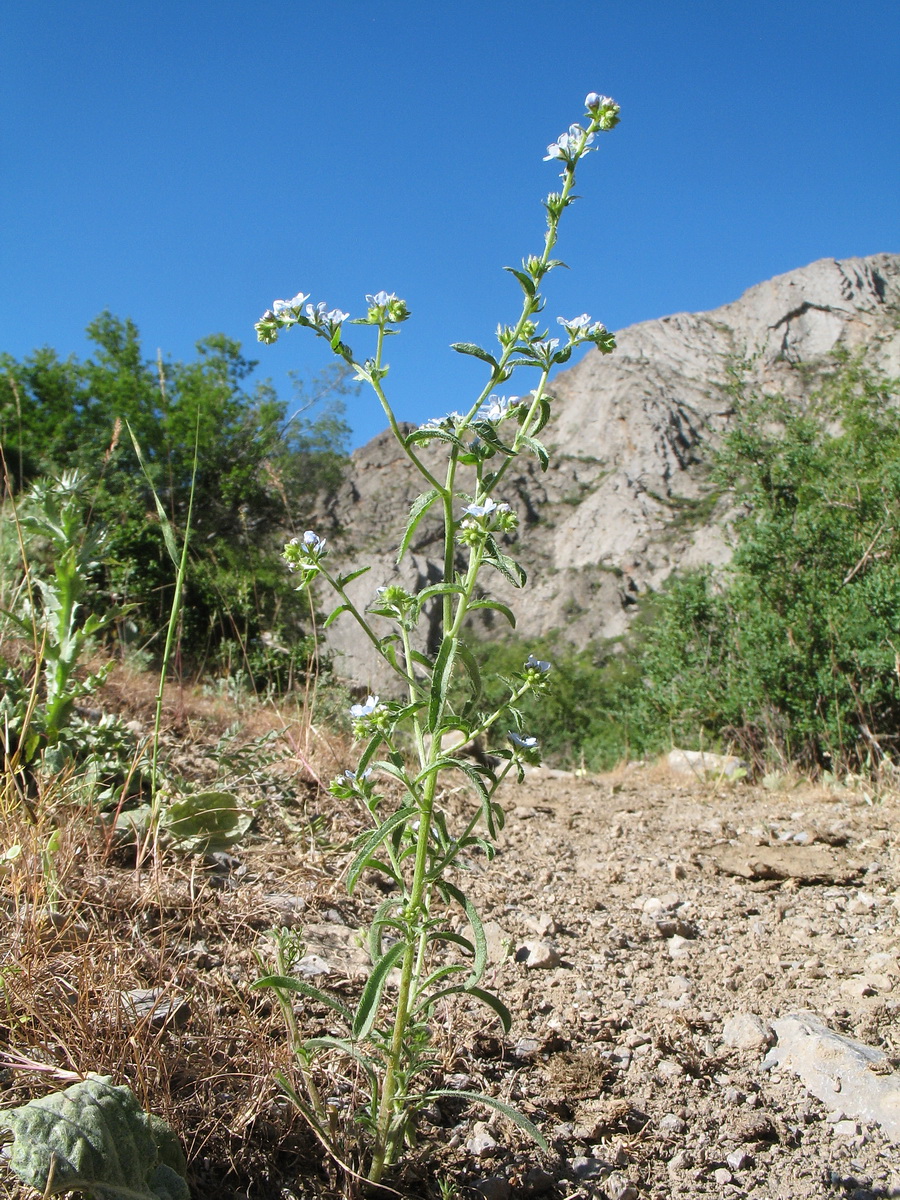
{"x": 475, "y": 351}
{"x": 334, "y": 614}
{"x": 374, "y": 839}
{"x": 420, "y": 507}
{"x": 440, "y": 680}
{"x": 368, "y": 1003}
{"x": 528, "y": 284}
{"x": 369, "y": 753}
{"x": 477, "y": 928}
{"x": 513, "y": 1114}
{"x": 539, "y": 449}
{"x": 287, "y": 983}
{"x": 423, "y": 436}
{"x": 379, "y": 922}
{"x": 343, "y": 580}
{"x": 165, "y": 523}
{"x": 345, "y": 1046}
{"x": 508, "y": 568}
{"x": 469, "y": 662}
{"x": 500, "y": 608}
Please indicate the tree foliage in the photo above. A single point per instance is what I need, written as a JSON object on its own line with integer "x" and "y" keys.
{"x": 797, "y": 643}
{"x": 261, "y": 460}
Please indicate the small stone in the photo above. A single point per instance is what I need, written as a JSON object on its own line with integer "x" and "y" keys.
{"x": 746, "y": 1031}
{"x": 678, "y": 945}
{"x": 678, "y": 985}
{"x": 738, "y": 1160}
{"x": 526, "y": 1047}
{"x": 537, "y": 1181}
{"x": 733, "y": 1095}
{"x": 722, "y": 1176}
{"x": 846, "y": 1128}
{"x": 617, "y": 1187}
{"x": 538, "y": 955}
{"x": 481, "y": 1144}
{"x": 151, "y": 1005}
{"x": 311, "y": 965}
{"x": 857, "y": 987}
{"x": 495, "y": 1187}
{"x": 669, "y": 1069}
{"x": 588, "y": 1168}
{"x": 682, "y": 1161}
{"x": 671, "y": 1123}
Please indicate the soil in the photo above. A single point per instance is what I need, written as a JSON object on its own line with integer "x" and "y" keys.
{"x": 629, "y": 918}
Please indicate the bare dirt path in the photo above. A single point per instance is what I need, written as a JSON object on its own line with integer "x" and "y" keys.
{"x": 655, "y": 929}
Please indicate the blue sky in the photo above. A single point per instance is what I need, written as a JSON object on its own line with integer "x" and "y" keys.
{"x": 186, "y": 163}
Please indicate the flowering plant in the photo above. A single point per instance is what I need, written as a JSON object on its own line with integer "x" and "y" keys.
{"x": 414, "y": 843}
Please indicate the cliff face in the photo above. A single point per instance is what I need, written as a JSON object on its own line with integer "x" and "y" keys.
{"x": 622, "y": 504}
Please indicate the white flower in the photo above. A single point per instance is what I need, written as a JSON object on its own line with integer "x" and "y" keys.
{"x": 537, "y": 664}
{"x": 575, "y": 324}
{"x": 481, "y": 510}
{"x": 449, "y": 422}
{"x": 312, "y": 541}
{"x": 381, "y": 299}
{"x": 364, "y": 710}
{"x": 335, "y": 317}
{"x": 495, "y": 408}
{"x": 567, "y": 144}
{"x": 593, "y": 101}
{"x": 279, "y": 306}
{"x": 523, "y": 743}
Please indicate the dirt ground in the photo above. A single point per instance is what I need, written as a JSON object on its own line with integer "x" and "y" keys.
{"x": 629, "y": 918}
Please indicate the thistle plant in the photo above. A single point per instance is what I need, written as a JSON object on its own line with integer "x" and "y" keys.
{"x": 416, "y": 738}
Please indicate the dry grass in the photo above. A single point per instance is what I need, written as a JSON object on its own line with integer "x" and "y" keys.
{"x": 92, "y": 922}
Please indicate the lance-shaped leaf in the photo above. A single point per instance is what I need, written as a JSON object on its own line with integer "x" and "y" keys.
{"x": 498, "y": 606}
{"x": 539, "y": 449}
{"x": 450, "y": 889}
{"x": 420, "y": 507}
{"x": 477, "y": 993}
{"x": 529, "y": 287}
{"x": 475, "y": 351}
{"x": 95, "y": 1138}
{"x": 514, "y": 1115}
{"x": 368, "y": 1002}
{"x": 371, "y": 841}
{"x": 288, "y": 983}
{"x": 440, "y": 680}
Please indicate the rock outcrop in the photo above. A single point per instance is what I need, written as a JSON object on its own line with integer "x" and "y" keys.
{"x": 626, "y": 499}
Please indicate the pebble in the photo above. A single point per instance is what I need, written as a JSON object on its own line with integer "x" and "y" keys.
{"x": 481, "y": 1144}
{"x": 150, "y": 1004}
{"x": 846, "y": 1128}
{"x": 671, "y": 1123}
{"x": 738, "y": 1160}
{"x": 526, "y": 1047}
{"x": 678, "y": 945}
{"x": 678, "y": 985}
{"x": 722, "y": 1176}
{"x": 311, "y": 965}
{"x": 746, "y": 1031}
{"x": 537, "y": 1181}
{"x": 617, "y": 1187}
{"x": 495, "y": 1187}
{"x": 538, "y": 955}
{"x": 588, "y": 1168}
{"x": 669, "y": 1069}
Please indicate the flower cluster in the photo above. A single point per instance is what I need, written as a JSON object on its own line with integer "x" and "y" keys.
{"x": 570, "y": 146}
{"x": 285, "y": 313}
{"x": 603, "y": 110}
{"x": 583, "y": 329}
{"x": 496, "y": 409}
{"x": 385, "y": 308}
{"x": 483, "y": 519}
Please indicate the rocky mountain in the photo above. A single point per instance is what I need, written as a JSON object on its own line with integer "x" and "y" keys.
{"x": 626, "y": 499}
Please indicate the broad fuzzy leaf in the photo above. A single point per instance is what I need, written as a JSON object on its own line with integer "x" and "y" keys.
{"x": 207, "y": 821}
{"x": 99, "y": 1141}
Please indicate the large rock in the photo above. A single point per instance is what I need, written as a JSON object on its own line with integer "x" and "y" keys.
{"x": 622, "y": 504}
